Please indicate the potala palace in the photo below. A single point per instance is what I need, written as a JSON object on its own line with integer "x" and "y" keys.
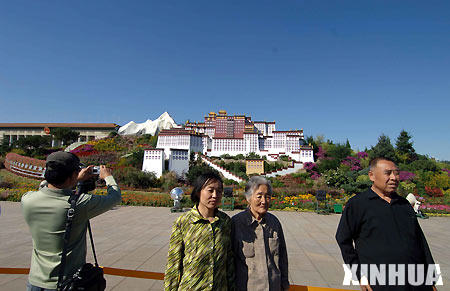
{"x": 221, "y": 134}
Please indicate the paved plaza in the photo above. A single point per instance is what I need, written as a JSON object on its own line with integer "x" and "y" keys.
{"x": 137, "y": 238}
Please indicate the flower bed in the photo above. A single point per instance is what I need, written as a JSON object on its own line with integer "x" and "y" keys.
{"x": 301, "y": 201}
{"x": 12, "y": 187}
{"x": 435, "y": 208}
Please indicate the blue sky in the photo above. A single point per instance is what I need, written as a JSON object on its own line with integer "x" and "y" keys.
{"x": 342, "y": 69}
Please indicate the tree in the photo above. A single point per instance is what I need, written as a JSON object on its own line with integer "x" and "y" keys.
{"x": 240, "y": 157}
{"x": 136, "y": 158}
{"x": 112, "y": 134}
{"x": 4, "y": 147}
{"x": 33, "y": 145}
{"x": 284, "y": 158}
{"x": 422, "y": 164}
{"x": 320, "y": 138}
{"x": 310, "y": 140}
{"x": 252, "y": 155}
{"x": 383, "y": 148}
{"x": 198, "y": 169}
{"x": 347, "y": 144}
{"x": 192, "y": 160}
{"x": 338, "y": 151}
{"x": 64, "y": 134}
{"x": 327, "y": 164}
{"x": 404, "y": 147}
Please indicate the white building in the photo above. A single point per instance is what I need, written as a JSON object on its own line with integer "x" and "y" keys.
{"x": 265, "y": 128}
{"x": 290, "y": 143}
{"x": 179, "y": 161}
{"x": 223, "y": 134}
{"x": 231, "y": 146}
{"x": 154, "y": 161}
{"x": 180, "y": 139}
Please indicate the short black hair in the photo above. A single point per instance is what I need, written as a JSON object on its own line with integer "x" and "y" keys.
{"x": 200, "y": 183}
{"x": 373, "y": 162}
{"x": 57, "y": 175}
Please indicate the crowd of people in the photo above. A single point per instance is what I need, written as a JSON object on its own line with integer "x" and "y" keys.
{"x": 208, "y": 250}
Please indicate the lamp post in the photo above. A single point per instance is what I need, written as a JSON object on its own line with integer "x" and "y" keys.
{"x": 176, "y": 194}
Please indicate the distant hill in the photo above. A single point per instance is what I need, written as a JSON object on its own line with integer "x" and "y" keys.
{"x": 165, "y": 121}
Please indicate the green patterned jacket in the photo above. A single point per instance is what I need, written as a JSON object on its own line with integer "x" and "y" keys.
{"x": 200, "y": 255}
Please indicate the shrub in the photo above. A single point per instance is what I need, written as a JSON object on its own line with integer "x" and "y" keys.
{"x": 34, "y": 145}
{"x": 240, "y": 157}
{"x": 438, "y": 180}
{"x": 252, "y": 155}
{"x": 240, "y": 202}
{"x": 169, "y": 181}
{"x": 18, "y": 151}
{"x": 446, "y": 171}
{"x": 84, "y": 150}
{"x": 6, "y": 185}
{"x": 405, "y": 188}
{"x": 284, "y": 158}
{"x": 148, "y": 140}
{"x": 100, "y": 158}
{"x": 309, "y": 166}
{"x": 315, "y": 175}
{"x": 434, "y": 192}
{"x": 107, "y": 144}
{"x": 362, "y": 155}
{"x": 327, "y": 164}
{"x": 320, "y": 153}
{"x": 196, "y": 170}
{"x": 335, "y": 178}
{"x": 230, "y": 182}
{"x": 135, "y": 178}
{"x": 423, "y": 164}
{"x": 353, "y": 163}
{"x": 136, "y": 158}
{"x": 427, "y": 208}
{"x": 130, "y": 198}
{"x": 406, "y": 176}
{"x": 2, "y": 162}
{"x": 446, "y": 199}
{"x": 277, "y": 183}
{"x": 338, "y": 151}
{"x": 272, "y": 166}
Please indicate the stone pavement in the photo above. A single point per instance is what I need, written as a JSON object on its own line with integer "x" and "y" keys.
{"x": 136, "y": 238}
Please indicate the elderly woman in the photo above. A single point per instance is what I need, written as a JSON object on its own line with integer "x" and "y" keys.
{"x": 259, "y": 248}
{"x": 200, "y": 255}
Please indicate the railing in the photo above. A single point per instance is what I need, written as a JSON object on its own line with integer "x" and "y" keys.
{"x": 153, "y": 276}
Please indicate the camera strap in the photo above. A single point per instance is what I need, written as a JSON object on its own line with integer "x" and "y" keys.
{"x": 70, "y": 214}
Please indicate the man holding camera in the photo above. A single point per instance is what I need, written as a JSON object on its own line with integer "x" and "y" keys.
{"x": 45, "y": 212}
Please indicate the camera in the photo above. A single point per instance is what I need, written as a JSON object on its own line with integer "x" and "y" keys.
{"x": 90, "y": 184}
{"x": 96, "y": 170}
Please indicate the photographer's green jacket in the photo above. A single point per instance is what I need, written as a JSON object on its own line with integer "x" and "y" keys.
{"x": 45, "y": 213}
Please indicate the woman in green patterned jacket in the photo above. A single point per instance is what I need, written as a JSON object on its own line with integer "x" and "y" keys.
{"x": 200, "y": 255}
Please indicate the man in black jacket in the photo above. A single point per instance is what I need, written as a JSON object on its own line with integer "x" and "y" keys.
{"x": 379, "y": 227}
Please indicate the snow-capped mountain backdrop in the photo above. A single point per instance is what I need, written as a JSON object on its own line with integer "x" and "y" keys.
{"x": 165, "y": 121}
